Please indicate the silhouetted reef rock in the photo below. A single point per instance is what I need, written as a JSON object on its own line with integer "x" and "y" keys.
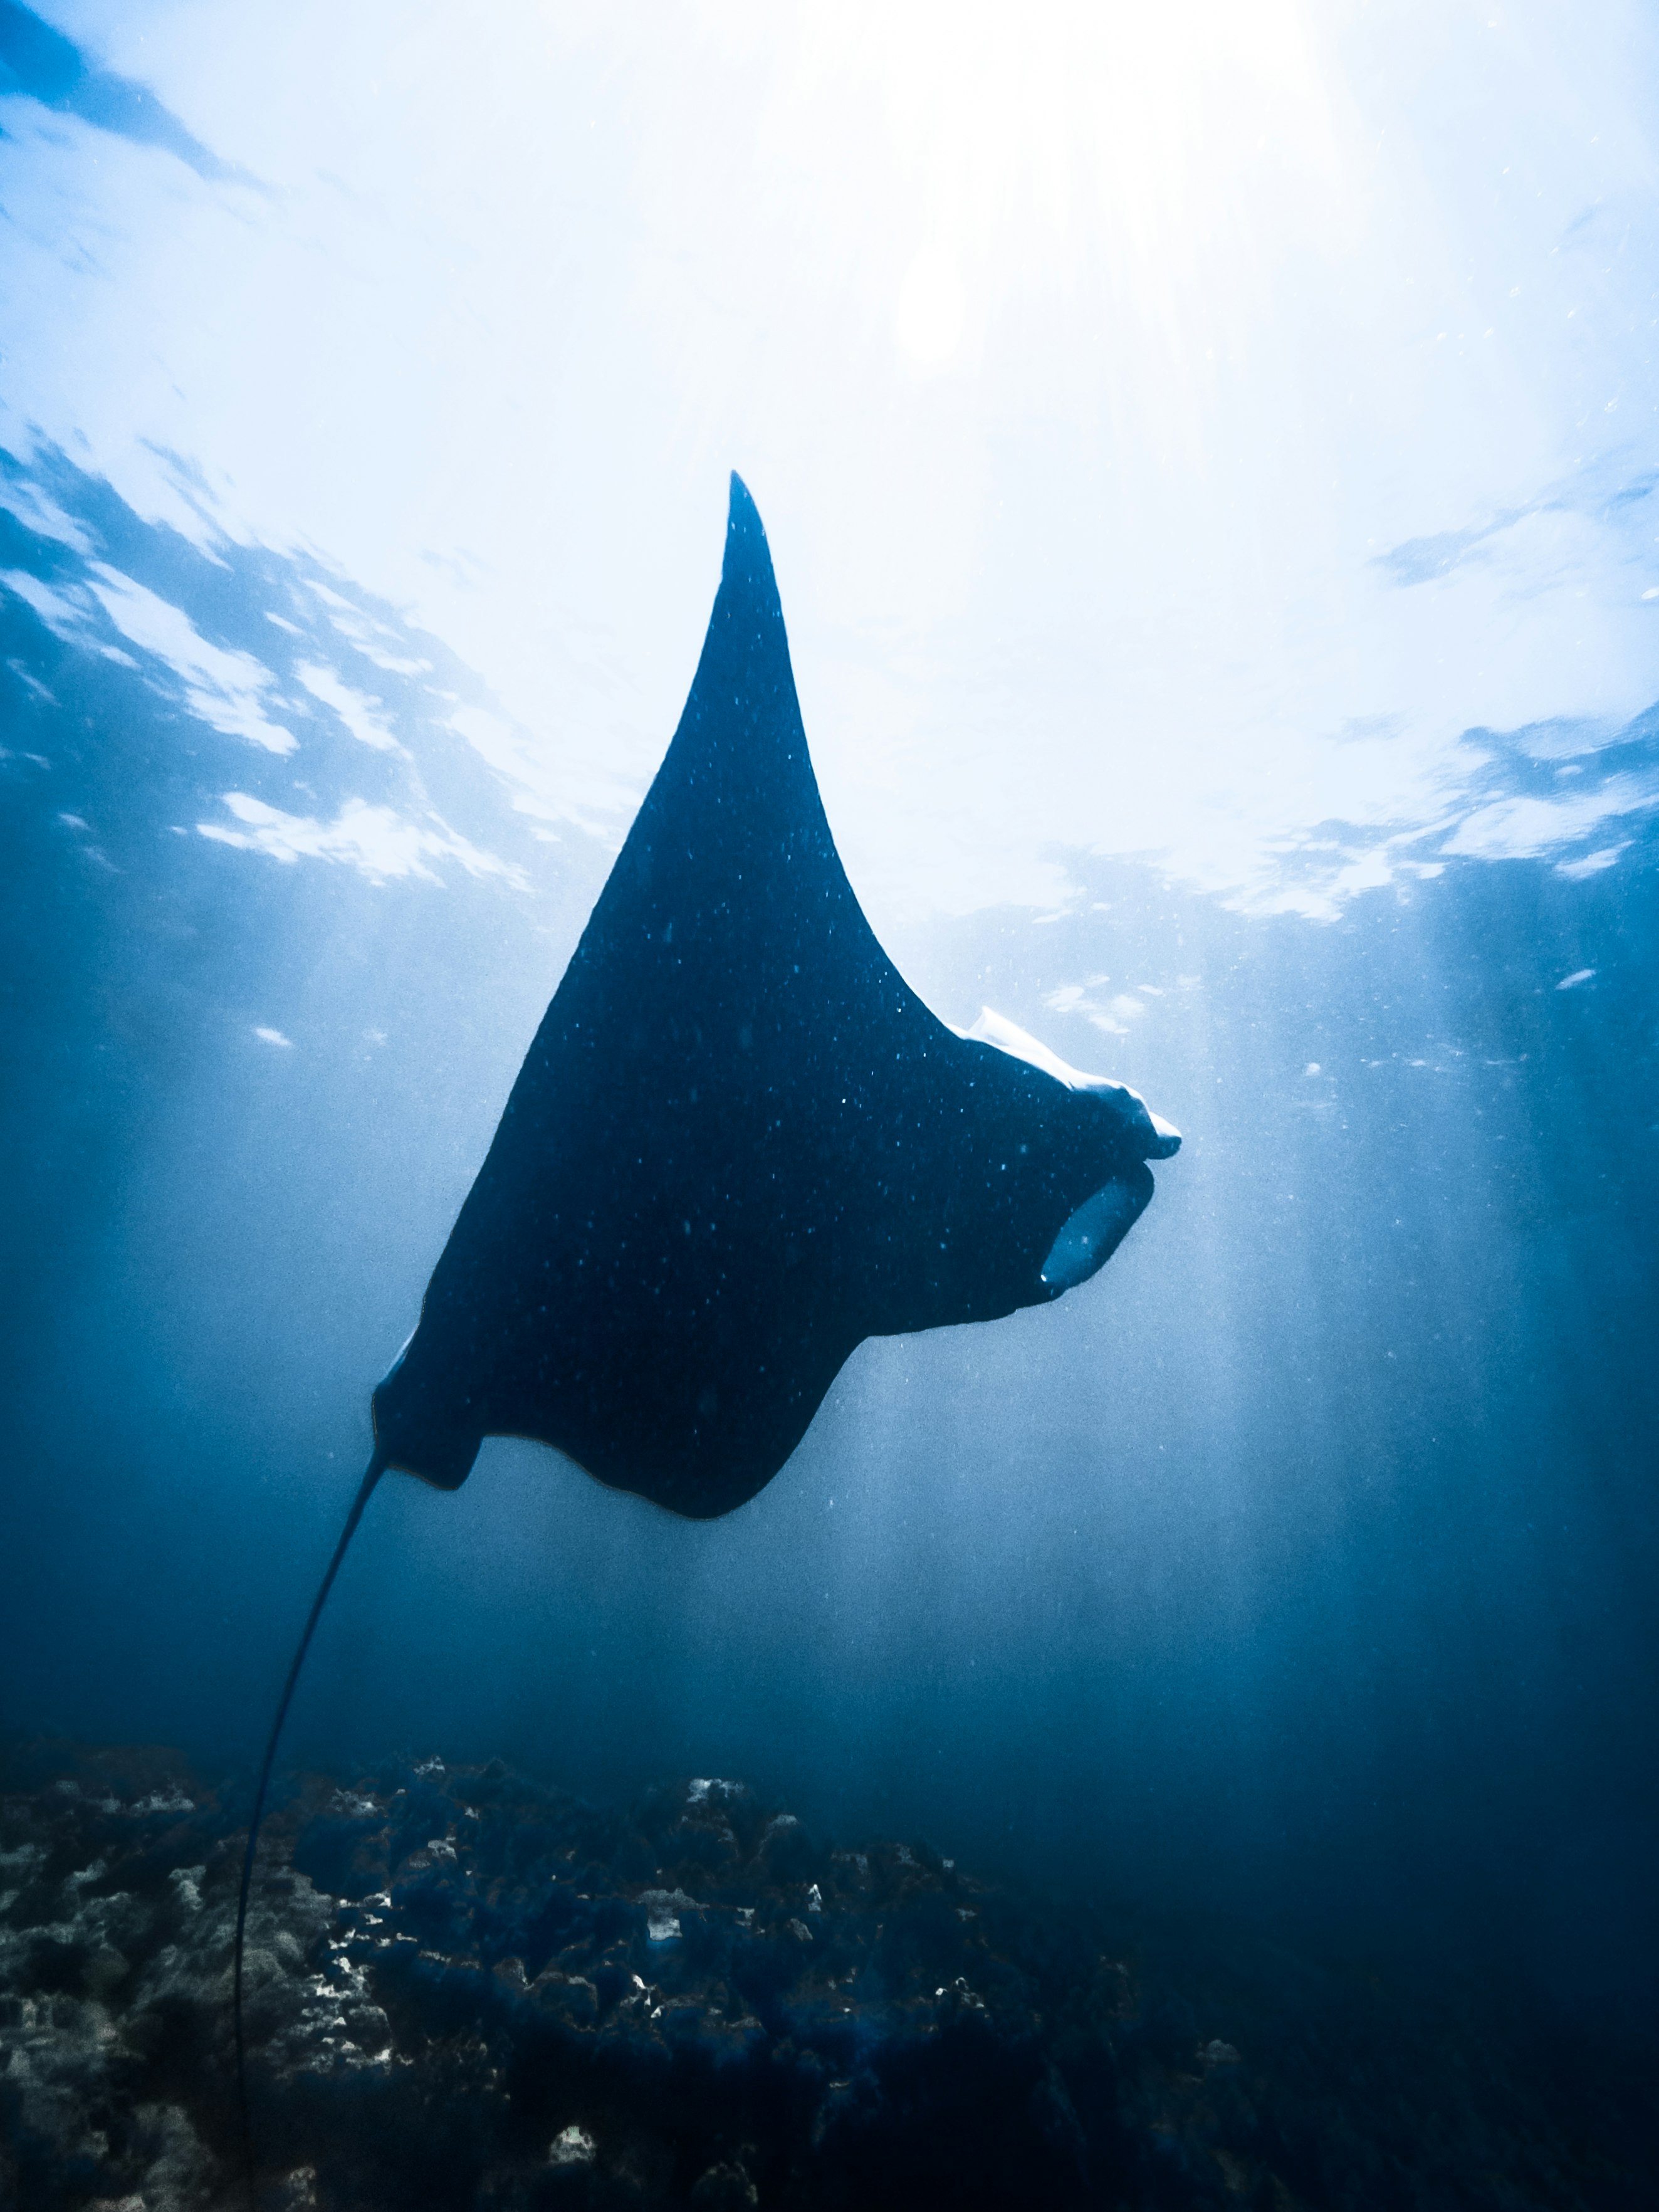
{"x": 464, "y": 1990}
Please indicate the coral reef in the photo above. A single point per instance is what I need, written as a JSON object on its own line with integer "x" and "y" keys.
{"x": 466, "y": 1991}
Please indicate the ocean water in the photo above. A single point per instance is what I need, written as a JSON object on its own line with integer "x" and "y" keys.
{"x": 1289, "y": 752}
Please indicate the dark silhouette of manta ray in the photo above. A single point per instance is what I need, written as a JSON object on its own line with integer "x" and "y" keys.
{"x": 738, "y": 1145}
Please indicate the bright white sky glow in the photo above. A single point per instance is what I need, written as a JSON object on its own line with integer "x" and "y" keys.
{"x": 1176, "y": 427}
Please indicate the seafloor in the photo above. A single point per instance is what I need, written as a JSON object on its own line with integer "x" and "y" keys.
{"x": 468, "y": 1992}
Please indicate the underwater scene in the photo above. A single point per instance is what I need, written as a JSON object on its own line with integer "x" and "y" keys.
{"x": 829, "y": 1069}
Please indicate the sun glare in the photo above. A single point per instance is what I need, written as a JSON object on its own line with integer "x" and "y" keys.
{"x": 1062, "y": 145}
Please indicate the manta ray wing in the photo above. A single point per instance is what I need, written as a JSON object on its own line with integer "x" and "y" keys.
{"x": 739, "y": 1144}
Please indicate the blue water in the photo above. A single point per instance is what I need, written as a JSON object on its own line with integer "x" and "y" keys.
{"x": 1300, "y": 1568}
{"x": 1210, "y": 463}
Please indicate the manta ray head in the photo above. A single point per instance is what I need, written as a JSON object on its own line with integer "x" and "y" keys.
{"x": 1103, "y": 1136}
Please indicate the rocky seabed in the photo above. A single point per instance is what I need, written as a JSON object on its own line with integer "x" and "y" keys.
{"x": 464, "y": 1990}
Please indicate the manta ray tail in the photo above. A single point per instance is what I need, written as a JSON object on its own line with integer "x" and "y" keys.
{"x": 371, "y": 1474}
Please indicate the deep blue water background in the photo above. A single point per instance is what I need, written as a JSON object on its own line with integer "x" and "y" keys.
{"x": 1302, "y": 1567}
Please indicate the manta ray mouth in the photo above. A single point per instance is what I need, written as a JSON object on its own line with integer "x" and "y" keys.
{"x": 1092, "y": 1233}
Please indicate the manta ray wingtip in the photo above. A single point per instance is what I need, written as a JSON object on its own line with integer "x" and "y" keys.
{"x": 747, "y": 553}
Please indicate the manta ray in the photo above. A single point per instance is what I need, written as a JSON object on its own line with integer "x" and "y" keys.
{"x": 739, "y": 1144}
